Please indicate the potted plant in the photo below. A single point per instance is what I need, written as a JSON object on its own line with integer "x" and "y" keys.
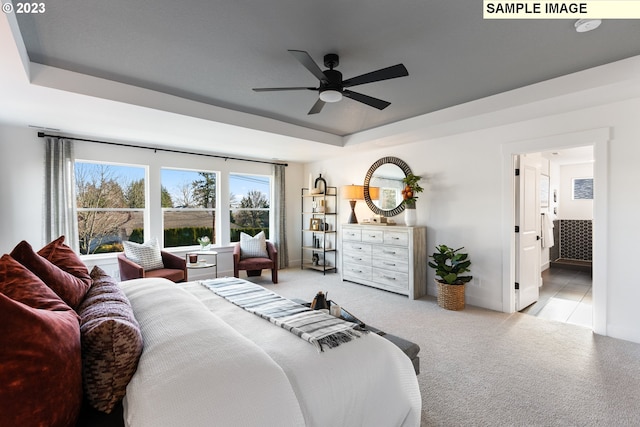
{"x": 450, "y": 265}
{"x": 411, "y": 188}
{"x": 204, "y": 242}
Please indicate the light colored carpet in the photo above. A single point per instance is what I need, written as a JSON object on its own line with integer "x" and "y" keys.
{"x": 485, "y": 368}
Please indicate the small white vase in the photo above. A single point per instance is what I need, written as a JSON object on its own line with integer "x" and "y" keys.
{"x": 410, "y": 217}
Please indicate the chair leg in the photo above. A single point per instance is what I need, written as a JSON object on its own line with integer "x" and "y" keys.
{"x": 254, "y": 273}
{"x": 274, "y": 275}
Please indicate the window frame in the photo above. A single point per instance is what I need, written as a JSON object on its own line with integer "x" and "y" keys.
{"x": 269, "y": 210}
{"x": 215, "y": 209}
{"x": 145, "y": 211}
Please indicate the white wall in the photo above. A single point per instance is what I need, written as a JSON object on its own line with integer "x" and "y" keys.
{"x": 22, "y": 184}
{"x": 22, "y": 169}
{"x": 567, "y": 207}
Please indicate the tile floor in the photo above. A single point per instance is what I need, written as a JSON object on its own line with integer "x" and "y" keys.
{"x": 565, "y": 296}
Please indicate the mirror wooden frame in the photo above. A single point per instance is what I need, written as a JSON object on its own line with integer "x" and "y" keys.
{"x": 367, "y": 180}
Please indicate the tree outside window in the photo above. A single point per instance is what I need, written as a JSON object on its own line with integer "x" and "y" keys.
{"x": 110, "y": 201}
{"x": 188, "y": 206}
{"x": 249, "y": 205}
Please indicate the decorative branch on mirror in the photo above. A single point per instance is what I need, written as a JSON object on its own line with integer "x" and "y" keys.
{"x": 386, "y": 175}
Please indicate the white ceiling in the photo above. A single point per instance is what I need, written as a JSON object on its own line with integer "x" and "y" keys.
{"x": 209, "y": 54}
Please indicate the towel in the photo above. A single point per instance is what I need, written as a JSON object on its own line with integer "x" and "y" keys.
{"x": 547, "y": 231}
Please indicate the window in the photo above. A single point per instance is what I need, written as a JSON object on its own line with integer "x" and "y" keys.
{"x": 249, "y": 204}
{"x": 110, "y": 200}
{"x": 582, "y": 188}
{"x": 188, "y": 206}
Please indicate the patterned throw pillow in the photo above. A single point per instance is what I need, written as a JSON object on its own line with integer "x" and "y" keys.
{"x": 111, "y": 342}
{"x": 146, "y": 255}
{"x": 253, "y": 247}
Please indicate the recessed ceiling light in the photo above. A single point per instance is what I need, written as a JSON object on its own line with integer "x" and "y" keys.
{"x": 584, "y": 25}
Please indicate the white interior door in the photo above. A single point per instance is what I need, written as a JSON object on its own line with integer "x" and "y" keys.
{"x": 528, "y": 274}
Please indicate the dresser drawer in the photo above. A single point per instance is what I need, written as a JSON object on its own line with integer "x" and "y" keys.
{"x": 352, "y": 235}
{"x": 372, "y": 236}
{"x": 354, "y": 248}
{"x": 356, "y": 272}
{"x": 391, "y": 252}
{"x": 357, "y": 258}
{"x": 391, "y": 264}
{"x": 391, "y": 279}
{"x": 397, "y": 238}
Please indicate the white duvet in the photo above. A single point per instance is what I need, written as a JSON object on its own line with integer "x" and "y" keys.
{"x": 207, "y": 362}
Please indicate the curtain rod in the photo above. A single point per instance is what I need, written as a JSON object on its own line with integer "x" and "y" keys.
{"x": 166, "y": 150}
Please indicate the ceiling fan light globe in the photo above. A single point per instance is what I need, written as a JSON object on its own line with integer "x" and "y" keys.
{"x": 331, "y": 95}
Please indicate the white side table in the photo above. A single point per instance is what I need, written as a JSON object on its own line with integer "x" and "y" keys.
{"x": 210, "y": 260}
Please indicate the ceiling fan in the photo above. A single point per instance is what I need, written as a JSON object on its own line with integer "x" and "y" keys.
{"x": 332, "y": 87}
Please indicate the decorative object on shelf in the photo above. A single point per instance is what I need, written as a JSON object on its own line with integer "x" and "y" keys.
{"x": 450, "y": 264}
{"x": 322, "y": 181}
{"x": 385, "y": 175}
{"x": 314, "y": 224}
{"x": 353, "y": 193}
{"x": 411, "y": 188}
{"x": 313, "y": 189}
{"x": 204, "y": 241}
{"x": 193, "y": 258}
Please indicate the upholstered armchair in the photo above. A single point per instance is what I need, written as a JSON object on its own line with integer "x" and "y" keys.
{"x": 175, "y": 268}
{"x": 254, "y": 265}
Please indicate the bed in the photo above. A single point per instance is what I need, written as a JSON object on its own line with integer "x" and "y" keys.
{"x": 209, "y": 362}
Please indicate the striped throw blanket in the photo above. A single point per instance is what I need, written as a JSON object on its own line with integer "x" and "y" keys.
{"x": 320, "y": 329}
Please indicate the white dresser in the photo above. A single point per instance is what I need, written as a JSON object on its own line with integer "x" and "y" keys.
{"x": 393, "y": 258}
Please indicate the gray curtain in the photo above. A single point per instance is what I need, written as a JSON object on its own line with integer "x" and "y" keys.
{"x": 59, "y": 204}
{"x": 280, "y": 206}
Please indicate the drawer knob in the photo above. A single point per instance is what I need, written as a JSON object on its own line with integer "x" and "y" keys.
{"x": 390, "y": 278}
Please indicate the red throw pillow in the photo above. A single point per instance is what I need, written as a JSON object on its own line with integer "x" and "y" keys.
{"x": 65, "y": 258}
{"x": 70, "y": 288}
{"x": 40, "y": 365}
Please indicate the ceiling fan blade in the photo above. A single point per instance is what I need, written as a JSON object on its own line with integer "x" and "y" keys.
{"x": 317, "y": 107}
{"x": 392, "y": 72}
{"x": 271, "y": 89}
{"x": 366, "y": 99}
{"x": 305, "y": 59}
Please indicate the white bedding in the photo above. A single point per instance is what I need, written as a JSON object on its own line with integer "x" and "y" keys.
{"x": 207, "y": 362}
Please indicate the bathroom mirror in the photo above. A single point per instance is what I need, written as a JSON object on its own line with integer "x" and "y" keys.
{"x": 386, "y": 175}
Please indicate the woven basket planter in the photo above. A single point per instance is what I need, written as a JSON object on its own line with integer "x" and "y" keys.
{"x": 450, "y": 297}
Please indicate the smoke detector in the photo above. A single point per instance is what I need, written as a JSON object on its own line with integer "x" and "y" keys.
{"x": 584, "y": 25}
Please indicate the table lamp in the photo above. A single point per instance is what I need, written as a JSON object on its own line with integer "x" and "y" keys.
{"x": 353, "y": 193}
{"x": 374, "y": 193}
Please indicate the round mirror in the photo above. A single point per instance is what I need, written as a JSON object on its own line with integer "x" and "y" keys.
{"x": 383, "y": 186}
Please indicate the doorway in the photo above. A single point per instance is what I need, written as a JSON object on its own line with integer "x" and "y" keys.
{"x": 598, "y": 139}
{"x": 566, "y": 213}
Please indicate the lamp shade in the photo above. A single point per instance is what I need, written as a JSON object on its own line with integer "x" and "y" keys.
{"x": 374, "y": 193}
{"x": 353, "y": 192}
